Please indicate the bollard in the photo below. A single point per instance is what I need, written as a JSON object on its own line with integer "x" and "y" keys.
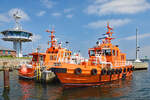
{"x": 6, "y": 76}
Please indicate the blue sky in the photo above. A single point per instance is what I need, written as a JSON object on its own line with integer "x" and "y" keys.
{"x": 81, "y": 22}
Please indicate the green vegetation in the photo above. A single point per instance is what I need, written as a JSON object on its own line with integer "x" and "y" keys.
{"x": 11, "y": 57}
{"x": 8, "y": 56}
{"x": 23, "y": 57}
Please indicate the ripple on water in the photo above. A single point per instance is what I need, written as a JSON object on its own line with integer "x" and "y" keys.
{"x": 133, "y": 88}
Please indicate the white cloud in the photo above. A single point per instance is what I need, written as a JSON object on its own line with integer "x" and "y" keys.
{"x": 106, "y": 7}
{"x": 100, "y": 1}
{"x": 56, "y": 14}
{"x": 36, "y": 37}
{"x": 21, "y": 13}
{"x": 141, "y": 36}
{"x": 41, "y": 13}
{"x": 48, "y": 3}
{"x": 8, "y": 16}
{"x": 68, "y": 10}
{"x": 69, "y": 15}
{"x": 113, "y": 23}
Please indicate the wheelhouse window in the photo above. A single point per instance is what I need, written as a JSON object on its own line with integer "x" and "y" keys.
{"x": 113, "y": 52}
{"x": 107, "y": 52}
{"x": 117, "y": 53}
{"x": 41, "y": 58}
{"x": 92, "y": 53}
{"x": 122, "y": 57}
{"x": 99, "y": 52}
{"x": 35, "y": 58}
{"x": 53, "y": 57}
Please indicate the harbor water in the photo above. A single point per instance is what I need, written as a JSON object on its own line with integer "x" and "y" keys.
{"x": 136, "y": 87}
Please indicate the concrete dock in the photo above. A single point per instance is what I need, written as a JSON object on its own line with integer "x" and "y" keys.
{"x": 12, "y": 63}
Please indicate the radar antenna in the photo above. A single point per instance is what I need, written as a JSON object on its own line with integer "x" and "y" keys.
{"x": 16, "y": 18}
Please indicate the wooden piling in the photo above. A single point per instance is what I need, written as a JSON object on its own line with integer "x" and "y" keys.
{"x": 6, "y": 75}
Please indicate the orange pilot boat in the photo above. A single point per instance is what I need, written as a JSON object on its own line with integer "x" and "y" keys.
{"x": 106, "y": 63}
{"x": 43, "y": 61}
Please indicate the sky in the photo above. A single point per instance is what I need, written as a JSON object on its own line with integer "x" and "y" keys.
{"x": 81, "y": 22}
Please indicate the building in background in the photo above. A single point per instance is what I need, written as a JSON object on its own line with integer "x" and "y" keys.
{"x": 7, "y": 52}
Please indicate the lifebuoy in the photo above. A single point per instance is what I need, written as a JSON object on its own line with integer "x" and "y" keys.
{"x": 112, "y": 71}
{"x": 103, "y": 72}
{"x": 94, "y": 71}
{"x": 78, "y": 71}
{"x": 120, "y": 70}
{"x": 108, "y": 72}
{"x": 124, "y": 70}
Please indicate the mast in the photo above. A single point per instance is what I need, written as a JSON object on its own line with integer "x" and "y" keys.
{"x": 52, "y": 36}
{"x": 16, "y": 18}
{"x": 137, "y": 47}
{"x": 109, "y": 34}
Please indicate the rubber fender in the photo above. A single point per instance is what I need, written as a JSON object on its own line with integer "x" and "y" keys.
{"x": 112, "y": 71}
{"x": 108, "y": 72}
{"x": 120, "y": 70}
{"x": 94, "y": 72}
{"x": 132, "y": 68}
{"x": 124, "y": 70}
{"x": 103, "y": 72}
{"x": 128, "y": 69}
{"x": 78, "y": 71}
{"x": 117, "y": 71}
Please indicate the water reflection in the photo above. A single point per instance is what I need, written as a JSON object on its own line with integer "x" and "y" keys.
{"x": 6, "y": 94}
{"x": 39, "y": 91}
{"x": 26, "y": 88}
{"x": 111, "y": 90}
{"x": 132, "y": 88}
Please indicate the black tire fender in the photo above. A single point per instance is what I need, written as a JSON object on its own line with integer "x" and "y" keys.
{"x": 78, "y": 71}
{"x": 120, "y": 70}
{"x": 124, "y": 70}
{"x": 108, "y": 72}
{"x": 94, "y": 72}
{"x": 112, "y": 71}
{"x": 103, "y": 72}
{"x": 117, "y": 71}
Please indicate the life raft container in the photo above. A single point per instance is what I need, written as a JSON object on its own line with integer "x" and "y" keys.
{"x": 78, "y": 71}
{"x": 94, "y": 72}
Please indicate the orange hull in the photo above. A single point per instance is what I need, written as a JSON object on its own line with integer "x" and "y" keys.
{"x": 29, "y": 74}
{"x": 73, "y": 80}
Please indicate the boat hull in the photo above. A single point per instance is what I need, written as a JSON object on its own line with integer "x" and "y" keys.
{"x": 26, "y": 77}
{"x": 73, "y": 80}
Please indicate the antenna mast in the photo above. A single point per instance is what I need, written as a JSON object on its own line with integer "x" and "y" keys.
{"x": 16, "y": 18}
{"x": 137, "y": 47}
{"x": 52, "y": 36}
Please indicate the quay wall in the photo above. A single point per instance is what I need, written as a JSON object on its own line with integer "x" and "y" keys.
{"x": 12, "y": 63}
